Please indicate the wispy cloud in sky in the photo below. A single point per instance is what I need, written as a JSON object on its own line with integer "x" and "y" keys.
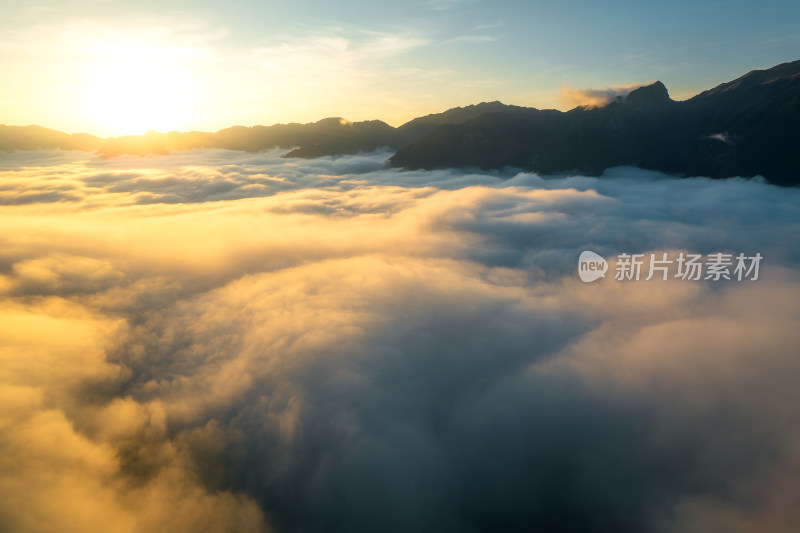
{"x": 472, "y": 39}
{"x": 333, "y": 58}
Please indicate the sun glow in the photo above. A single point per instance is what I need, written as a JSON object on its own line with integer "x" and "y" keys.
{"x": 138, "y": 89}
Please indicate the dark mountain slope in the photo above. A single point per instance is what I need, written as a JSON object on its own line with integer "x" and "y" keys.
{"x": 747, "y": 127}
{"x": 418, "y": 127}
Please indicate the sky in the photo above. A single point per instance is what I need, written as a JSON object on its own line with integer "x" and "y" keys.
{"x": 125, "y": 67}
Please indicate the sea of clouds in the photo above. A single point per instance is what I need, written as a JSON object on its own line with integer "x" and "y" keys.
{"x": 219, "y": 341}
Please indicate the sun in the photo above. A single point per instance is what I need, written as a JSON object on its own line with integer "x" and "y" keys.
{"x": 137, "y": 90}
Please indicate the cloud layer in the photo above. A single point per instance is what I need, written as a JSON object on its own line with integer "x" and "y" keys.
{"x": 214, "y": 341}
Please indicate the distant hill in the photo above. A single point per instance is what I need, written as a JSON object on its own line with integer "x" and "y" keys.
{"x": 418, "y": 127}
{"x": 329, "y": 136}
{"x": 39, "y": 138}
{"x": 746, "y": 127}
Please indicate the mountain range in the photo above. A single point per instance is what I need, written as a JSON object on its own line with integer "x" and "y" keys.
{"x": 746, "y": 127}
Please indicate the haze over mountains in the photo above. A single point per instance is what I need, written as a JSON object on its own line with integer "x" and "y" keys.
{"x": 747, "y": 127}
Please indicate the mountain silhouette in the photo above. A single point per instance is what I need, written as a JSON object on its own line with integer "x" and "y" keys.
{"x": 746, "y": 127}
{"x": 330, "y": 136}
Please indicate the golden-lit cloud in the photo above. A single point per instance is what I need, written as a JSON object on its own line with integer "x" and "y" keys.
{"x": 571, "y": 97}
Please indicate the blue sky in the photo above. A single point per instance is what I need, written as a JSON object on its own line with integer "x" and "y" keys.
{"x": 124, "y": 67}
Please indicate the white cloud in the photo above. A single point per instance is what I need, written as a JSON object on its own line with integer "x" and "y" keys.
{"x": 472, "y": 39}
